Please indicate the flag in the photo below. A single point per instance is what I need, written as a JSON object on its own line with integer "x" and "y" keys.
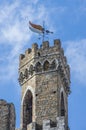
{"x": 36, "y": 28}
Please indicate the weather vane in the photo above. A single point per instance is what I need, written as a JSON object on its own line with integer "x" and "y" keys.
{"x": 39, "y": 29}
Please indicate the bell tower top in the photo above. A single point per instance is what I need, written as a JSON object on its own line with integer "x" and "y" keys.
{"x": 35, "y": 51}
{"x": 44, "y": 76}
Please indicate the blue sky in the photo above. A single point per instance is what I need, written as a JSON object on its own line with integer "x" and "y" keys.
{"x": 67, "y": 19}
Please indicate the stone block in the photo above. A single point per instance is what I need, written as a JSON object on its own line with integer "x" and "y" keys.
{"x": 46, "y": 124}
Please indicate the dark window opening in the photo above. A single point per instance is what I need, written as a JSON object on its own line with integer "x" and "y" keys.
{"x": 26, "y": 73}
{"x": 46, "y": 66}
{"x": 62, "y": 105}
{"x": 38, "y": 53}
{"x": 38, "y": 67}
{"x": 53, "y": 65}
{"x": 27, "y": 109}
{"x": 31, "y": 70}
{"x": 21, "y": 77}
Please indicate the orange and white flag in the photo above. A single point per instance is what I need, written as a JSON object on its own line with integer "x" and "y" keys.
{"x": 36, "y": 28}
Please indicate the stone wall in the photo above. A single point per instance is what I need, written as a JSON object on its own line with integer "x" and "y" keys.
{"x": 47, "y": 97}
{"x": 7, "y": 116}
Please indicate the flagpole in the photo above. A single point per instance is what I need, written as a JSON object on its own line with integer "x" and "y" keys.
{"x": 43, "y": 31}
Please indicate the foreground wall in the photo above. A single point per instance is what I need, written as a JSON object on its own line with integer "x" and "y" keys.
{"x": 7, "y": 116}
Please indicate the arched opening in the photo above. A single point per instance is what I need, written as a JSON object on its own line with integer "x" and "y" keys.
{"x": 62, "y": 105}
{"x": 21, "y": 78}
{"x": 53, "y": 65}
{"x": 46, "y": 66}
{"x": 38, "y": 67}
{"x": 26, "y": 73}
{"x": 38, "y": 53}
{"x": 27, "y": 109}
{"x": 31, "y": 70}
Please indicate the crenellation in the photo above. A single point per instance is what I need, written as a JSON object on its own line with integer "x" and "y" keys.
{"x": 45, "y": 45}
{"x": 57, "y": 43}
{"x": 44, "y": 50}
{"x": 28, "y": 51}
{"x": 34, "y": 47}
{"x": 21, "y": 57}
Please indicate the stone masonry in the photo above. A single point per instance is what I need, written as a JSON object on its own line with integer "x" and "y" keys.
{"x": 44, "y": 76}
{"x": 7, "y": 116}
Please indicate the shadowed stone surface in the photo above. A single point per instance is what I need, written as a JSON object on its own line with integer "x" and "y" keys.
{"x": 7, "y": 116}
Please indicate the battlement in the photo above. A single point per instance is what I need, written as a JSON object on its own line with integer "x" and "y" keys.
{"x": 44, "y": 49}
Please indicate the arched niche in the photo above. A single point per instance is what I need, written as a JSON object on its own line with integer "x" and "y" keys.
{"x": 46, "y": 66}
{"x": 27, "y": 109}
{"x": 31, "y": 70}
{"x": 38, "y": 67}
{"x": 21, "y": 77}
{"x": 53, "y": 64}
{"x": 26, "y": 74}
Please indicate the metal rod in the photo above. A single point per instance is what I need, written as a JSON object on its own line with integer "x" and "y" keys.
{"x": 43, "y": 31}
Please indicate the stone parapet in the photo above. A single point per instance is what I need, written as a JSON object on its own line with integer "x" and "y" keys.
{"x": 35, "y": 51}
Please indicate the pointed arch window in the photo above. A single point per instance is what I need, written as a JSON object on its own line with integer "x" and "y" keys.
{"x": 31, "y": 70}
{"x": 38, "y": 67}
{"x": 62, "y": 105}
{"x": 21, "y": 77}
{"x": 27, "y": 109}
{"x": 53, "y": 65}
{"x": 26, "y": 73}
{"x": 46, "y": 66}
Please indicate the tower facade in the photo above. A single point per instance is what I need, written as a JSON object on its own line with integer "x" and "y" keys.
{"x": 44, "y": 76}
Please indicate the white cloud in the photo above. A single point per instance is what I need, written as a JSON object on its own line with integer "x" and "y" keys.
{"x": 15, "y": 34}
{"x": 7, "y": 12}
{"x": 76, "y": 53}
{"x": 12, "y": 24}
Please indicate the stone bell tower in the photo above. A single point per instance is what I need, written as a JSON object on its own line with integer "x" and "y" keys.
{"x": 44, "y": 76}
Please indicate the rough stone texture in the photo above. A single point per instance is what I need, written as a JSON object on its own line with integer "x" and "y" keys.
{"x": 60, "y": 124}
{"x": 7, "y": 116}
{"x": 45, "y": 73}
